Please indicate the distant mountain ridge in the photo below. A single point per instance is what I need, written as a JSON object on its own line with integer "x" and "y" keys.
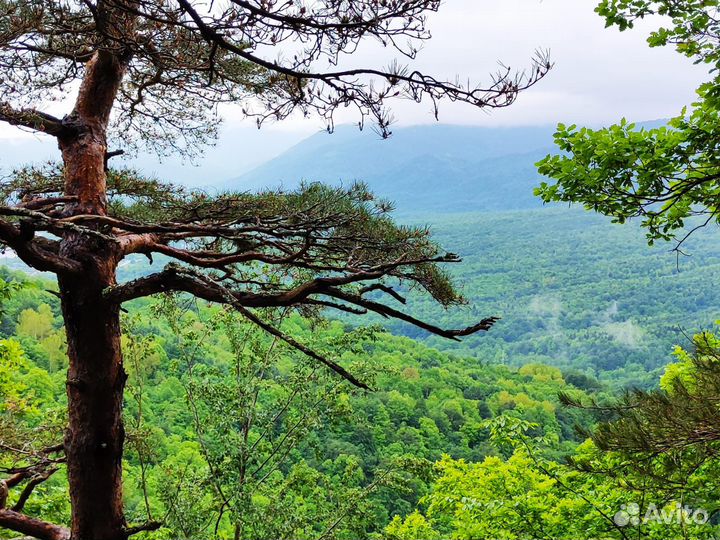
{"x": 430, "y": 168}
{"x": 436, "y": 168}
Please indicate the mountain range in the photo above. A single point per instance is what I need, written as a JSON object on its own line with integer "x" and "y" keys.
{"x": 432, "y": 168}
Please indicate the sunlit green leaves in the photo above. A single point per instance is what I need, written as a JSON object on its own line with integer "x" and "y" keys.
{"x": 692, "y": 26}
{"x": 662, "y": 175}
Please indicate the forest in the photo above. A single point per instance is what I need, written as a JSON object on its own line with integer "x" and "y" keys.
{"x": 526, "y": 350}
{"x": 260, "y": 443}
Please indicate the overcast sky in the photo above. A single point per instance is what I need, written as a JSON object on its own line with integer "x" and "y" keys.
{"x": 600, "y": 75}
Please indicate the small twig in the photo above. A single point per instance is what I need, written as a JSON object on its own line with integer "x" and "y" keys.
{"x": 147, "y": 526}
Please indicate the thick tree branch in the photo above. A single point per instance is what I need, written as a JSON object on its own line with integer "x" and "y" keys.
{"x": 384, "y": 288}
{"x": 15, "y": 521}
{"x": 219, "y": 260}
{"x": 174, "y": 278}
{"x": 35, "y": 120}
{"x": 38, "y": 252}
{"x": 44, "y": 203}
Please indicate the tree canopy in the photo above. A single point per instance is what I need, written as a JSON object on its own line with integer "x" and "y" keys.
{"x": 664, "y": 175}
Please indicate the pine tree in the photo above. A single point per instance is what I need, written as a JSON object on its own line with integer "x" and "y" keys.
{"x": 151, "y": 75}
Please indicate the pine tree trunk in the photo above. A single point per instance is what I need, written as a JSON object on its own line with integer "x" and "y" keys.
{"x": 96, "y": 379}
{"x": 95, "y": 385}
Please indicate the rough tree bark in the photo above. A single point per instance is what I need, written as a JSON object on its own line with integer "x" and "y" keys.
{"x": 96, "y": 379}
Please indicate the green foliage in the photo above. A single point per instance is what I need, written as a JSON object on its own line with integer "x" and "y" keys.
{"x": 657, "y": 445}
{"x": 494, "y": 499}
{"x": 12, "y": 362}
{"x": 250, "y": 412}
{"x": 204, "y": 387}
{"x": 267, "y": 241}
{"x": 574, "y": 292}
{"x": 31, "y": 419}
{"x": 693, "y": 25}
{"x": 228, "y": 429}
{"x": 603, "y": 494}
{"x": 664, "y": 175}
{"x": 668, "y": 437}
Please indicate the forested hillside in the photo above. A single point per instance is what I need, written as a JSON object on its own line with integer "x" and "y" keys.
{"x": 315, "y": 449}
{"x": 232, "y": 434}
{"x": 576, "y": 291}
{"x": 572, "y": 289}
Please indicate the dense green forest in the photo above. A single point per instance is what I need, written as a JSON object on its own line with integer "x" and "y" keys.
{"x": 576, "y": 291}
{"x": 193, "y": 372}
{"x": 232, "y": 434}
{"x": 573, "y": 290}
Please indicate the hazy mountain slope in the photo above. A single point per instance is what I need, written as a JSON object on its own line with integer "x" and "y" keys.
{"x": 422, "y": 168}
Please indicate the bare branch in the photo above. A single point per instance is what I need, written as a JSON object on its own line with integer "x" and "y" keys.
{"x": 15, "y": 521}
{"x": 387, "y": 311}
{"x": 384, "y": 288}
{"x": 147, "y": 526}
{"x": 34, "y": 481}
{"x": 35, "y": 120}
{"x": 343, "y": 87}
{"x": 249, "y": 315}
{"x": 205, "y": 288}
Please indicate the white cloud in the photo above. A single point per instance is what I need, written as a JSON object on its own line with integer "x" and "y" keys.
{"x": 627, "y": 333}
{"x": 599, "y": 76}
